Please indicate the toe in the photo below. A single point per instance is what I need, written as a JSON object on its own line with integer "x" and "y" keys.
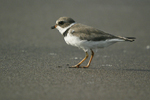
{"x": 76, "y": 66}
{"x": 84, "y": 67}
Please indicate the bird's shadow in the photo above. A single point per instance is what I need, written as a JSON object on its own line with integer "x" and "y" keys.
{"x": 141, "y": 70}
{"x": 90, "y": 68}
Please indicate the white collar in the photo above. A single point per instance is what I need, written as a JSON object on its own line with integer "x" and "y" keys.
{"x": 62, "y": 30}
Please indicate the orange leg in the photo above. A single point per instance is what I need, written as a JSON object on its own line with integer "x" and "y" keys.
{"x": 92, "y": 55}
{"x": 77, "y": 66}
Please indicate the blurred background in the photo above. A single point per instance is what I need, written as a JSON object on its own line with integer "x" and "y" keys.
{"x": 34, "y": 59}
{"x": 27, "y": 22}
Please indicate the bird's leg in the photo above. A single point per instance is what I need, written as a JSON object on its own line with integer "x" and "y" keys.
{"x": 77, "y": 66}
{"x": 92, "y": 55}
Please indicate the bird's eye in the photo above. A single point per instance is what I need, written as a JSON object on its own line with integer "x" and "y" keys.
{"x": 61, "y": 22}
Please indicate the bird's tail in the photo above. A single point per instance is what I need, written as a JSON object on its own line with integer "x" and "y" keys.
{"x": 130, "y": 39}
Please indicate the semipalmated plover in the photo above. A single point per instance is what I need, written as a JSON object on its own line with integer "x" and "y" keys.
{"x": 86, "y": 37}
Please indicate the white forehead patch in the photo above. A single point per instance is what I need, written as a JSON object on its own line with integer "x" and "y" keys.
{"x": 57, "y": 22}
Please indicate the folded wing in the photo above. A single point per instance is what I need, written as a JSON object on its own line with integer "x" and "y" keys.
{"x": 91, "y": 34}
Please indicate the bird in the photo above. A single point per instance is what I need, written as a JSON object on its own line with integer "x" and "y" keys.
{"x": 86, "y": 37}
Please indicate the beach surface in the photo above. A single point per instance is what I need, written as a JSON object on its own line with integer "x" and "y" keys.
{"x": 35, "y": 60}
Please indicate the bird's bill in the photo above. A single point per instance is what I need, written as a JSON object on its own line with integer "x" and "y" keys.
{"x": 53, "y": 27}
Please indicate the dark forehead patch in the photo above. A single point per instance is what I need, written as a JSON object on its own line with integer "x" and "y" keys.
{"x": 66, "y": 19}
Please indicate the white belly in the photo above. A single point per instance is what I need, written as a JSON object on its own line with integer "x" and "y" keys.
{"x": 87, "y": 45}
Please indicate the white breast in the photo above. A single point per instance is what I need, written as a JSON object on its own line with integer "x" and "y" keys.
{"x": 72, "y": 40}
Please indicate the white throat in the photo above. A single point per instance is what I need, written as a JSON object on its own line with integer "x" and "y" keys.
{"x": 62, "y": 30}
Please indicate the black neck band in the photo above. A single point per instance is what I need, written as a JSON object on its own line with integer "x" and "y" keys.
{"x": 66, "y": 32}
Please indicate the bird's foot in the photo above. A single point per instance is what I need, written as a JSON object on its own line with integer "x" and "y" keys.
{"x": 75, "y": 66}
{"x": 78, "y": 66}
{"x": 84, "y": 66}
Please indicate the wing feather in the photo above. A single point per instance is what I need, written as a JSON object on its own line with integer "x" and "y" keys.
{"x": 89, "y": 33}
